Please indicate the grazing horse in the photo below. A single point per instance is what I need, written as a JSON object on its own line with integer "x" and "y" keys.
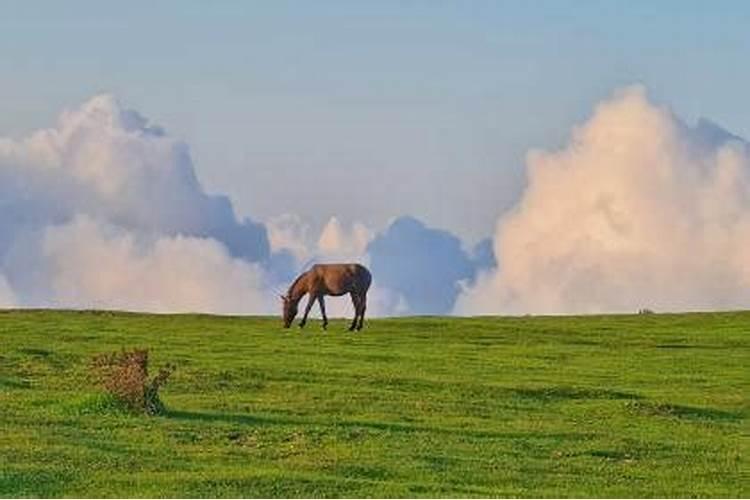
{"x": 328, "y": 279}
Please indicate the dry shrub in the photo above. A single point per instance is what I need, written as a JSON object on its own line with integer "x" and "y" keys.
{"x": 124, "y": 375}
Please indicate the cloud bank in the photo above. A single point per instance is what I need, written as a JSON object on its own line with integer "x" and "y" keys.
{"x": 638, "y": 210}
{"x": 92, "y": 264}
{"x": 111, "y": 163}
{"x": 105, "y": 210}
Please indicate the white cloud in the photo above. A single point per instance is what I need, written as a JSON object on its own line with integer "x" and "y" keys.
{"x": 289, "y": 232}
{"x": 337, "y": 242}
{"x": 111, "y": 163}
{"x": 105, "y": 210}
{"x": 89, "y": 264}
{"x": 639, "y": 210}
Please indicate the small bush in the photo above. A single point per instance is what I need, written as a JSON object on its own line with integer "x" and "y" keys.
{"x": 124, "y": 375}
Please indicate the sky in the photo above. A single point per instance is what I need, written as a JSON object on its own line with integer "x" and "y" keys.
{"x": 383, "y": 107}
{"x": 481, "y": 157}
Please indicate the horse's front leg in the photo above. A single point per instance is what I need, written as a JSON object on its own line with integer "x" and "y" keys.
{"x": 323, "y": 311}
{"x": 310, "y": 301}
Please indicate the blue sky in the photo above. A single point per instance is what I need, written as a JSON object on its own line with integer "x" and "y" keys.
{"x": 371, "y": 110}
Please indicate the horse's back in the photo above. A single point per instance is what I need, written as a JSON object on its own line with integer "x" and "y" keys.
{"x": 343, "y": 278}
{"x": 351, "y": 268}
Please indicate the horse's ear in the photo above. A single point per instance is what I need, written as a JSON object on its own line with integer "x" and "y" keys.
{"x": 283, "y": 297}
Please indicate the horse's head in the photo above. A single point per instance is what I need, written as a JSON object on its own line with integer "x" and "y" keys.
{"x": 289, "y": 311}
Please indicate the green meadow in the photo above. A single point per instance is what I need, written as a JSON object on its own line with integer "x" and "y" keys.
{"x": 601, "y": 406}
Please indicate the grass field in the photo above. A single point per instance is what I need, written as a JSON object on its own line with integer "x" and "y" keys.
{"x": 648, "y": 406}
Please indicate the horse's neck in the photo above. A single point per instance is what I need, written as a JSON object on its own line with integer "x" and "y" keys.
{"x": 298, "y": 288}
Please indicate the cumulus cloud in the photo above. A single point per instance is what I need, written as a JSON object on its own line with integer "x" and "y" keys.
{"x": 289, "y": 233}
{"x": 638, "y": 210}
{"x": 90, "y": 264}
{"x": 111, "y": 163}
{"x": 289, "y": 239}
{"x": 105, "y": 210}
{"x": 421, "y": 265}
{"x": 338, "y": 242}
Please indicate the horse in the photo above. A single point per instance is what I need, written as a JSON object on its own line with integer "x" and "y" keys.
{"x": 328, "y": 279}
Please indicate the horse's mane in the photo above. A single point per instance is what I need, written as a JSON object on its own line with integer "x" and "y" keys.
{"x": 294, "y": 283}
{"x": 301, "y": 275}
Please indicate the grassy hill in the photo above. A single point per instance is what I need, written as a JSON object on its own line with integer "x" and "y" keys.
{"x": 650, "y": 405}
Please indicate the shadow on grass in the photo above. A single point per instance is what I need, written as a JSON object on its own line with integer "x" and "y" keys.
{"x": 36, "y": 352}
{"x": 268, "y": 420}
{"x": 692, "y": 346}
{"x": 14, "y": 383}
{"x": 34, "y": 482}
{"x": 499, "y": 393}
{"x": 547, "y": 393}
{"x": 340, "y": 483}
{"x": 683, "y": 411}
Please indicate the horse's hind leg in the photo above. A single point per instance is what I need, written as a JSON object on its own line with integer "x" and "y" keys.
{"x": 323, "y": 311}
{"x": 362, "y": 309}
{"x": 355, "y": 301}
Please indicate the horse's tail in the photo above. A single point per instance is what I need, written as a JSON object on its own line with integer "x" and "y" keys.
{"x": 366, "y": 277}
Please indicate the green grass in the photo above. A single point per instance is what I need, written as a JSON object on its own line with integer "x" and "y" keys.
{"x": 646, "y": 406}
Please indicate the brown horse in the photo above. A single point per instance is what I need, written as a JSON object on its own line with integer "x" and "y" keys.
{"x": 328, "y": 279}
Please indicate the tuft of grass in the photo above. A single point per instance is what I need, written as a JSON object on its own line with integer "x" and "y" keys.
{"x": 124, "y": 375}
